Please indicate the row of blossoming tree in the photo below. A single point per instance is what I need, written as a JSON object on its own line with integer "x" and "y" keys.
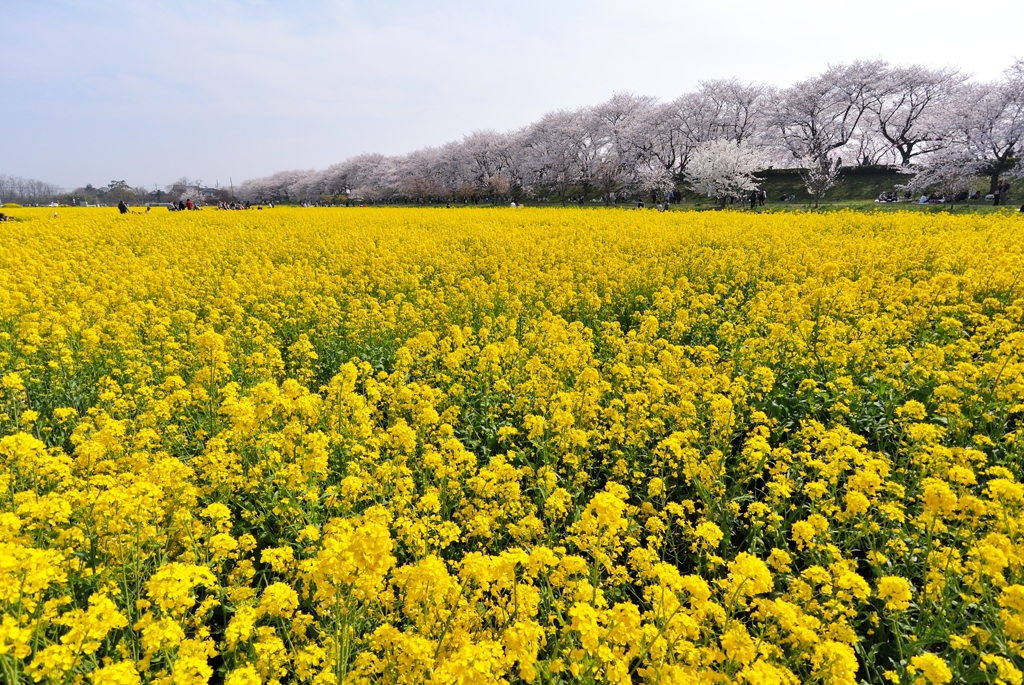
{"x": 936, "y": 121}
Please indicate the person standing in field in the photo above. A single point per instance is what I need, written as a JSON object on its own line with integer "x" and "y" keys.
{"x": 122, "y": 207}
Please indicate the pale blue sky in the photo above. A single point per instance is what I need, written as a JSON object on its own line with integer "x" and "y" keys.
{"x": 151, "y": 91}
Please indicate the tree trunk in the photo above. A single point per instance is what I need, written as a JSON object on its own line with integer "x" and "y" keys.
{"x": 906, "y": 155}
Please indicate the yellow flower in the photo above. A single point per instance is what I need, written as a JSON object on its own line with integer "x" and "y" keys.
{"x": 121, "y": 673}
{"x": 896, "y": 592}
{"x": 1006, "y": 672}
{"x": 780, "y": 560}
{"x": 835, "y": 663}
{"x": 738, "y": 645}
{"x": 939, "y": 498}
{"x": 803, "y": 534}
{"x": 241, "y": 626}
{"x": 1012, "y": 596}
{"x": 912, "y": 409}
{"x": 278, "y": 600}
{"x": 88, "y": 628}
{"x": 709, "y": 534}
{"x": 933, "y": 669}
{"x": 280, "y": 559}
{"x": 12, "y": 382}
{"x": 246, "y": 675}
{"x": 171, "y": 587}
{"x": 748, "y": 576}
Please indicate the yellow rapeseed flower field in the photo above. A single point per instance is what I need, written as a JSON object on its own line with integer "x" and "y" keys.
{"x": 506, "y": 446}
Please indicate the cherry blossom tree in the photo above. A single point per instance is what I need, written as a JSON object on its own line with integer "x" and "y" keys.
{"x": 907, "y": 109}
{"x": 550, "y": 162}
{"x": 816, "y": 117}
{"x": 722, "y": 169}
{"x": 820, "y": 176}
{"x": 722, "y": 109}
{"x": 950, "y": 172}
{"x": 273, "y": 188}
{"x": 991, "y": 117}
{"x": 653, "y": 180}
{"x": 621, "y": 126}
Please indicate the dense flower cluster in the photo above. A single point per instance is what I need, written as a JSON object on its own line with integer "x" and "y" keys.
{"x": 498, "y": 446}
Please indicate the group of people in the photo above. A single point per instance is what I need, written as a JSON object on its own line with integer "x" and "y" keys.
{"x": 182, "y": 206}
{"x": 186, "y": 206}
{"x": 122, "y": 207}
{"x": 1001, "y": 195}
{"x": 661, "y": 206}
